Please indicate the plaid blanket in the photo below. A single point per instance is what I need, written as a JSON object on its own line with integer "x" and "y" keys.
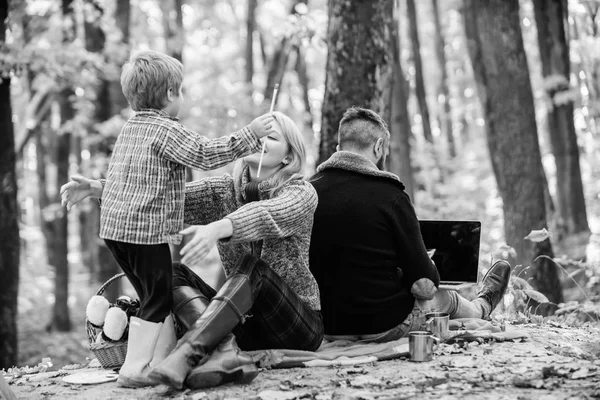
{"x": 349, "y": 353}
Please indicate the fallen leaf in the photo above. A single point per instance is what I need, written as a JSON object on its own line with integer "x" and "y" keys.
{"x": 538, "y": 235}
{"x": 278, "y": 395}
{"x": 365, "y": 380}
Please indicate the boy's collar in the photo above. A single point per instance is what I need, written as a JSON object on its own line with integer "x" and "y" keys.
{"x": 155, "y": 111}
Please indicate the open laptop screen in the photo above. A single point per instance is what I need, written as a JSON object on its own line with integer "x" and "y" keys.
{"x": 456, "y": 245}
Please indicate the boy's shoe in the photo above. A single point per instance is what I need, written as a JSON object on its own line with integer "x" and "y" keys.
{"x": 494, "y": 284}
{"x": 148, "y": 344}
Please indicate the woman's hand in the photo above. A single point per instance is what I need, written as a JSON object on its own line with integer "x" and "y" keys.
{"x": 73, "y": 192}
{"x": 204, "y": 239}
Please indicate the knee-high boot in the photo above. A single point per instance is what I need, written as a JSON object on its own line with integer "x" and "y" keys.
{"x": 215, "y": 323}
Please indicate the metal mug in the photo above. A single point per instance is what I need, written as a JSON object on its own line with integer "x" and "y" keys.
{"x": 420, "y": 344}
{"x": 437, "y": 323}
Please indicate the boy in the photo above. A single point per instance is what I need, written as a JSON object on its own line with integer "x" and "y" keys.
{"x": 142, "y": 204}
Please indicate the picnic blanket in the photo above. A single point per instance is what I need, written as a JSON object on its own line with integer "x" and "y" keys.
{"x": 350, "y": 353}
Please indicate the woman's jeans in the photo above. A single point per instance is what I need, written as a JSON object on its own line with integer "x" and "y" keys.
{"x": 446, "y": 301}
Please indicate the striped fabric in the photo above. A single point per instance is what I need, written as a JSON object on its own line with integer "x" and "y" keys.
{"x": 143, "y": 196}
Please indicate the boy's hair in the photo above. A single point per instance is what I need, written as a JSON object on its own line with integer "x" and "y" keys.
{"x": 360, "y": 128}
{"x": 148, "y": 76}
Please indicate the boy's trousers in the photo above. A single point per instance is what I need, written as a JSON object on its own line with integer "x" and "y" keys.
{"x": 150, "y": 271}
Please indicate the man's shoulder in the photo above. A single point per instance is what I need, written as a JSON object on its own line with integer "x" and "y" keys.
{"x": 330, "y": 177}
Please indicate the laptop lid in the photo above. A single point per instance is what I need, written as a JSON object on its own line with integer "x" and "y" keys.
{"x": 453, "y": 246}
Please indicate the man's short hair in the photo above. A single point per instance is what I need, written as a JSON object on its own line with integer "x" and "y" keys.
{"x": 360, "y": 128}
{"x": 147, "y": 77}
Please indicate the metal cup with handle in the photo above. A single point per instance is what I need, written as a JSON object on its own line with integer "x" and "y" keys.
{"x": 420, "y": 344}
{"x": 437, "y": 323}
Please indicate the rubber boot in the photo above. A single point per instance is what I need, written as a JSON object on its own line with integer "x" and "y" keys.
{"x": 148, "y": 344}
{"x": 222, "y": 314}
{"x": 227, "y": 363}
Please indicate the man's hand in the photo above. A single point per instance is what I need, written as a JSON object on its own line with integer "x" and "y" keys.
{"x": 204, "y": 239}
{"x": 73, "y": 192}
{"x": 262, "y": 125}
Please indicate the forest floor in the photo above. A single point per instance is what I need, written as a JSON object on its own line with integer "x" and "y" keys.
{"x": 556, "y": 362}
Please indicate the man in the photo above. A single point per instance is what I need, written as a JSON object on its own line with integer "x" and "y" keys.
{"x": 367, "y": 253}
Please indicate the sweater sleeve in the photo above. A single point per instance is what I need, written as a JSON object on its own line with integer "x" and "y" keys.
{"x": 415, "y": 262}
{"x": 281, "y": 216}
{"x": 208, "y": 200}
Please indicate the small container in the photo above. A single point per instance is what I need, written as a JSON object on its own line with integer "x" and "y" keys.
{"x": 421, "y": 345}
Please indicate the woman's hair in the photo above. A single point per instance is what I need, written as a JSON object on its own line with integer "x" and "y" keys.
{"x": 296, "y": 154}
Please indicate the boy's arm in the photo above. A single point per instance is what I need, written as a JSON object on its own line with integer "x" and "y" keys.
{"x": 189, "y": 148}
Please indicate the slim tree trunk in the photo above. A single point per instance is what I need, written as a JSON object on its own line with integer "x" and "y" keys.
{"x": 9, "y": 226}
{"x": 360, "y": 63}
{"x": 399, "y": 161}
{"x": 550, "y": 17}
{"x": 280, "y": 58}
{"x": 249, "y": 54}
{"x": 122, "y": 17}
{"x": 444, "y": 92}
{"x": 494, "y": 28}
{"x": 419, "y": 83}
{"x": 58, "y": 221}
{"x": 173, "y": 28}
{"x": 103, "y": 267}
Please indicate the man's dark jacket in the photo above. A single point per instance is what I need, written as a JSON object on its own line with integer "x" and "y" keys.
{"x": 366, "y": 247}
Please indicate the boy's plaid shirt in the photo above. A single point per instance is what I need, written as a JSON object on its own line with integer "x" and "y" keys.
{"x": 142, "y": 198}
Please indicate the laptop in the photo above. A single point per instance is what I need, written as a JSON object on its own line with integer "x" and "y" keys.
{"x": 454, "y": 248}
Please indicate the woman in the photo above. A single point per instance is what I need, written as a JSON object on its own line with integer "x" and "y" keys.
{"x": 262, "y": 226}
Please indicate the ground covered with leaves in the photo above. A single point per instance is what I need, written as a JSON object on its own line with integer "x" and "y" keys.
{"x": 556, "y": 361}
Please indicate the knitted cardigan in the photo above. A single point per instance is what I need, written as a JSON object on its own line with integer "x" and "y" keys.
{"x": 278, "y": 227}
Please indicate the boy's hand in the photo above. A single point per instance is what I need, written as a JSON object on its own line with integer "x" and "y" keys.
{"x": 262, "y": 125}
{"x": 73, "y": 192}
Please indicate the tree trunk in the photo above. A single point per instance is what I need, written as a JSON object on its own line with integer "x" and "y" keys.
{"x": 399, "y": 161}
{"x": 550, "y": 17}
{"x": 359, "y": 64}
{"x": 419, "y": 83}
{"x": 446, "y": 113}
{"x": 249, "y": 54}
{"x": 9, "y": 226}
{"x": 173, "y": 29}
{"x": 57, "y": 220}
{"x": 494, "y": 29}
{"x": 122, "y": 17}
{"x": 103, "y": 269}
{"x": 302, "y": 72}
{"x": 280, "y": 59}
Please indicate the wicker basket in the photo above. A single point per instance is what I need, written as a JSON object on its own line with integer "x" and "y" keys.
{"x": 109, "y": 354}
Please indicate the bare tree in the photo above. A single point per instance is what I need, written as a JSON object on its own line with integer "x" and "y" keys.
{"x": 551, "y": 18}
{"x": 399, "y": 161}
{"x": 494, "y": 35}
{"x": 444, "y": 92}
{"x": 419, "y": 82}
{"x": 9, "y": 227}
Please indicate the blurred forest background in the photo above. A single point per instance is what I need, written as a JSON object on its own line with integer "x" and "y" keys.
{"x": 493, "y": 106}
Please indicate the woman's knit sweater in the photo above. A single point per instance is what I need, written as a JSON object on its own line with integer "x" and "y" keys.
{"x": 278, "y": 228}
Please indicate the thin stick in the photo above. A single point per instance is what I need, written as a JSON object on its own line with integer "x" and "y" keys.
{"x": 262, "y": 152}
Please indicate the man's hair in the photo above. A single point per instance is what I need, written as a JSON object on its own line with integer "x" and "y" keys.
{"x": 360, "y": 128}
{"x": 148, "y": 76}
